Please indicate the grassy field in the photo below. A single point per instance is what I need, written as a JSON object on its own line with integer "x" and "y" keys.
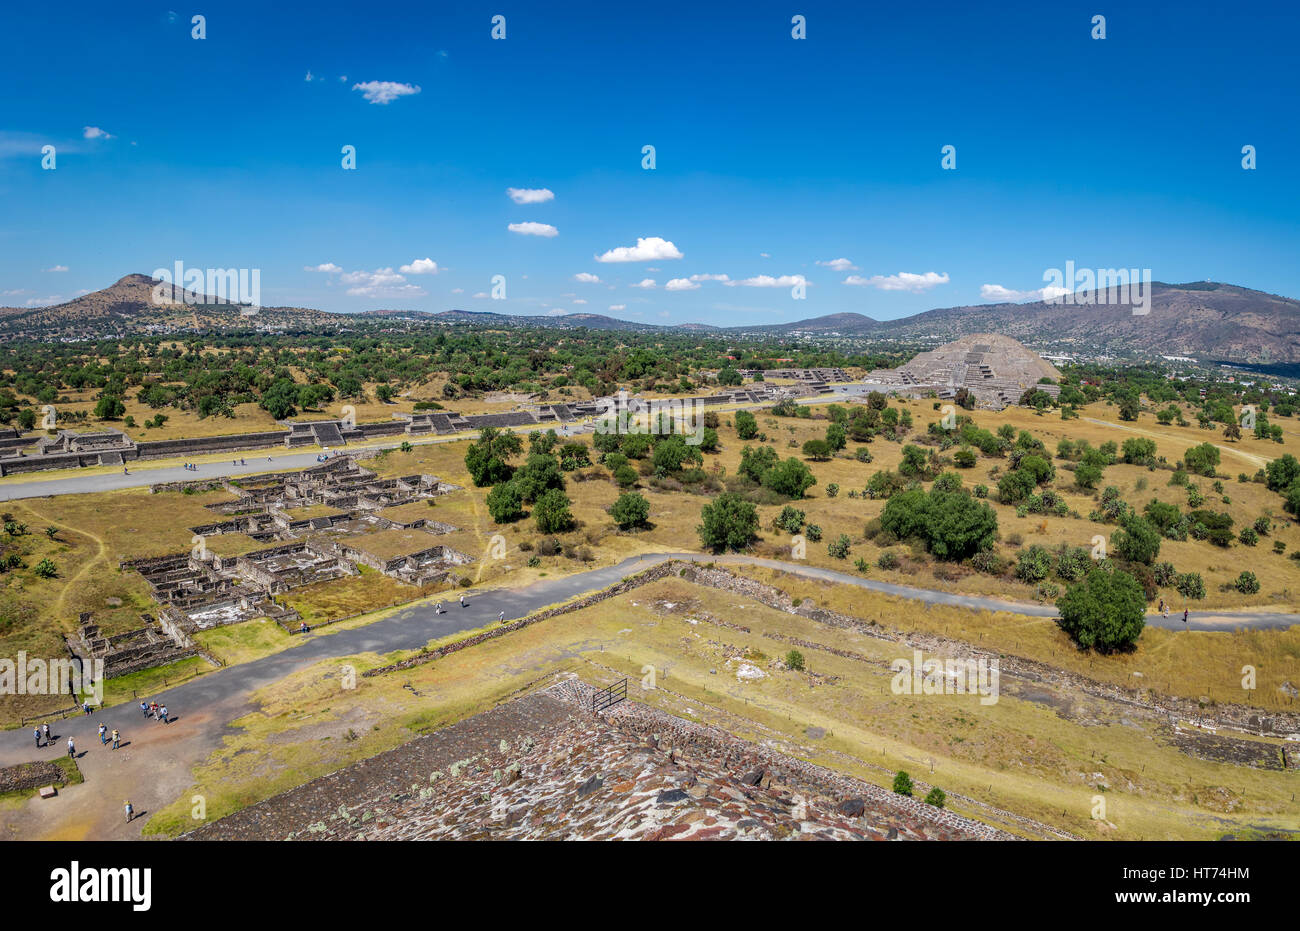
{"x": 1045, "y": 756}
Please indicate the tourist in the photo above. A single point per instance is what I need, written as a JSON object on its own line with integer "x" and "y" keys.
{"x": 502, "y": 617}
{"x": 72, "y": 749}
{"x": 36, "y": 732}
{"x": 45, "y": 729}
{"x": 437, "y": 609}
{"x": 163, "y": 714}
{"x": 85, "y": 707}
{"x": 1184, "y": 617}
{"x": 462, "y": 599}
{"x": 130, "y": 812}
{"x": 117, "y": 739}
{"x": 103, "y": 734}
{"x": 144, "y": 709}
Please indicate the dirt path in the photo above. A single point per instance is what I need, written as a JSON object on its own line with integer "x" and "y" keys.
{"x": 1258, "y": 461}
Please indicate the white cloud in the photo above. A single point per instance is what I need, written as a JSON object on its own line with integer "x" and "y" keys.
{"x": 903, "y": 281}
{"x": 587, "y": 278}
{"x": 308, "y": 78}
{"x": 328, "y": 268}
{"x": 995, "y": 292}
{"x": 43, "y": 301}
{"x": 385, "y": 92}
{"x": 767, "y": 281}
{"x": 765, "y": 255}
{"x": 647, "y": 249}
{"x": 420, "y": 267}
{"x": 578, "y": 300}
{"x": 343, "y": 78}
{"x": 481, "y": 296}
{"x": 531, "y": 228}
{"x": 646, "y": 283}
{"x": 618, "y": 307}
{"x": 382, "y": 282}
{"x": 710, "y": 278}
{"x": 681, "y": 284}
{"x": 457, "y": 290}
{"x": 840, "y": 265}
{"x": 94, "y": 132}
{"x": 527, "y": 195}
{"x": 57, "y": 268}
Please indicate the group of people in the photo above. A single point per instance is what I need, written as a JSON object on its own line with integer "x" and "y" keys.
{"x": 1164, "y": 611}
{"x": 154, "y": 710}
{"x": 105, "y": 737}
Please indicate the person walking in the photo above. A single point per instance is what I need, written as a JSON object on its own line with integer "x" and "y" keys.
{"x": 130, "y": 812}
{"x": 72, "y": 749}
{"x": 1184, "y": 617}
{"x": 103, "y": 734}
{"x": 45, "y": 729}
{"x": 437, "y": 609}
{"x": 36, "y": 732}
{"x": 501, "y": 618}
{"x": 117, "y": 739}
{"x": 162, "y": 714}
{"x": 462, "y": 599}
{"x": 144, "y": 709}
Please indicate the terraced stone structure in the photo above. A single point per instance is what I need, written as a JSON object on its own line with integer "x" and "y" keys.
{"x": 996, "y": 369}
{"x": 544, "y": 766}
{"x": 322, "y": 522}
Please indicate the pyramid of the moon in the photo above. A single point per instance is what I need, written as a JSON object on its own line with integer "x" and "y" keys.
{"x": 996, "y": 369}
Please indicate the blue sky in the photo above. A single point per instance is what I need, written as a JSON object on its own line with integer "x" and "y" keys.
{"x": 772, "y": 154}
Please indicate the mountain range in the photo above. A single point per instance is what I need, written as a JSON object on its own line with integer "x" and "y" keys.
{"x": 1207, "y": 320}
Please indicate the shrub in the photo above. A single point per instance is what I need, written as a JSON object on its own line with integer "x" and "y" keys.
{"x": 45, "y": 569}
{"x": 790, "y": 519}
{"x": 1137, "y": 540}
{"x": 951, "y": 524}
{"x": 903, "y": 783}
{"x": 1247, "y": 583}
{"x": 832, "y": 490}
{"x": 1034, "y": 565}
{"x": 1202, "y": 459}
{"x": 839, "y": 547}
{"x": 813, "y": 532}
{"x": 936, "y": 797}
{"x": 887, "y": 560}
{"x": 1248, "y": 536}
{"x": 794, "y": 660}
{"x": 1190, "y": 585}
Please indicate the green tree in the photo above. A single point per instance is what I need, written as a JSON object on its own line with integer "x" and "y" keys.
{"x": 729, "y": 522}
{"x": 630, "y": 510}
{"x": 790, "y": 478}
{"x": 1137, "y": 540}
{"x": 936, "y": 797}
{"x": 1105, "y": 612}
{"x": 551, "y": 512}
{"x": 902, "y": 783}
{"x": 746, "y": 425}
{"x": 505, "y": 503}
{"x": 487, "y": 459}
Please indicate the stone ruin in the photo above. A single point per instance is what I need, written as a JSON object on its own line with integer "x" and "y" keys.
{"x": 317, "y": 521}
{"x": 154, "y": 644}
{"x": 996, "y": 369}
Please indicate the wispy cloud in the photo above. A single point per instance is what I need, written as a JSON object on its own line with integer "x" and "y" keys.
{"x": 420, "y": 267}
{"x": 328, "y": 268}
{"x": 525, "y": 195}
{"x": 839, "y": 265}
{"x": 94, "y": 132}
{"x": 723, "y": 278}
{"x": 995, "y": 292}
{"x": 903, "y": 281}
{"x": 767, "y": 281}
{"x": 646, "y": 283}
{"x": 57, "y": 268}
{"x": 385, "y": 92}
{"x": 531, "y": 228}
{"x": 587, "y": 278}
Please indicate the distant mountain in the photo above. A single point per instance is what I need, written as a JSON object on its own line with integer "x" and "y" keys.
{"x": 1206, "y": 320}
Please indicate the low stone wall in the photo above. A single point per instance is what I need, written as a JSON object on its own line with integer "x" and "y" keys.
{"x": 25, "y": 776}
{"x": 628, "y": 584}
